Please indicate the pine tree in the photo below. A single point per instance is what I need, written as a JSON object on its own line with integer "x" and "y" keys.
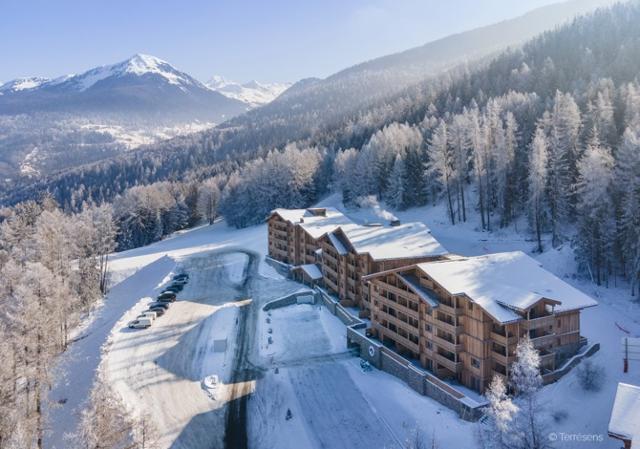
{"x": 596, "y": 229}
{"x": 440, "y": 165}
{"x": 538, "y": 182}
{"x": 395, "y": 194}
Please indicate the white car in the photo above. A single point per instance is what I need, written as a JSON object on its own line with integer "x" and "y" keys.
{"x": 140, "y": 323}
{"x": 151, "y": 315}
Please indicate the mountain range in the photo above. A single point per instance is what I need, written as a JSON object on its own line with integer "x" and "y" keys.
{"x": 253, "y": 93}
{"x": 144, "y": 91}
{"x": 141, "y": 85}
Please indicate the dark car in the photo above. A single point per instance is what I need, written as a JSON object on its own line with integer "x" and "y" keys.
{"x": 174, "y": 288}
{"x": 164, "y": 305}
{"x": 166, "y": 300}
{"x": 183, "y": 276}
{"x": 167, "y": 295}
{"x": 158, "y": 310}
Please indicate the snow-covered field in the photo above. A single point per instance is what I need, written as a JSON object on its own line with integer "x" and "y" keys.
{"x": 306, "y": 368}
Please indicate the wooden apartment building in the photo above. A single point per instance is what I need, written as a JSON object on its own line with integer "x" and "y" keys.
{"x": 460, "y": 317}
{"x": 351, "y": 252}
{"x": 294, "y": 233}
{"x": 463, "y": 317}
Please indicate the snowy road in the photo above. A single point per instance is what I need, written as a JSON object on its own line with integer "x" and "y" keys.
{"x": 160, "y": 370}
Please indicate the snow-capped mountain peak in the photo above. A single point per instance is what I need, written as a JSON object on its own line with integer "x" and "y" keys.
{"x": 23, "y": 84}
{"x": 252, "y": 93}
{"x": 137, "y": 65}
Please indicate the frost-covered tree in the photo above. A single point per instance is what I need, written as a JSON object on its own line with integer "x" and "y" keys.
{"x": 538, "y": 182}
{"x": 208, "y": 200}
{"x": 395, "y": 194}
{"x": 525, "y": 379}
{"x": 497, "y": 431}
{"x": 564, "y": 133}
{"x": 596, "y": 225}
{"x": 440, "y": 165}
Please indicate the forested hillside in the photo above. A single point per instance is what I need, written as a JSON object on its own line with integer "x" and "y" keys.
{"x": 549, "y": 132}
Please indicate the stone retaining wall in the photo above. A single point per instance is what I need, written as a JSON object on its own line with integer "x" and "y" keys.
{"x": 289, "y": 300}
{"x": 386, "y": 360}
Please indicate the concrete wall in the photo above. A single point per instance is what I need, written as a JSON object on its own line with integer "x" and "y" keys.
{"x": 289, "y": 300}
{"x": 570, "y": 364}
{"x": 386, "y": 360}
{"x": 282, "y": 268}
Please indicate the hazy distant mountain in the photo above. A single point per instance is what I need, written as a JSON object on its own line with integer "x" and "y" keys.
{"x": 252, "y": 93}
{"x": 141, "y": 85}
{"x": 359, "y": 85}
{"x": 318, "y": 109}
{"x": 52, "y": 124}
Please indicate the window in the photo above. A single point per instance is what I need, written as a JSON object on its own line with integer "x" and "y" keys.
{"x": 470, "y": 305}
{"x": 475, "y": 362}
{"x": 429, "y": 345}
{"x": 427, "y": 327}
{"x": 559, "y": 322}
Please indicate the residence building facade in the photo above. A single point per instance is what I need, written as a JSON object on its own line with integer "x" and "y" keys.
{"x": 459, "y": 317}
{"x": 462, "y": 318}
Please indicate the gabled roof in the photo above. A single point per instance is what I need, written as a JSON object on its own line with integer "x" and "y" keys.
{"x": 315, "y": 221}
{"x": 503, "y": 283}
{"x": 337, "y": 244}
{"x": 424, "y": 293}
{"x": 404, "y": 241}
{"x": 625, "y": 415}
{"x": 311, "y": 269}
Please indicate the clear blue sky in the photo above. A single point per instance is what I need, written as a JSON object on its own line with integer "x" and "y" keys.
{"x": 267, "y": 40}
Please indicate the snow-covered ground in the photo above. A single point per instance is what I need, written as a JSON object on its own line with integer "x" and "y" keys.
{"x": 617, "y": 315}
{"x": 307, "y": 368}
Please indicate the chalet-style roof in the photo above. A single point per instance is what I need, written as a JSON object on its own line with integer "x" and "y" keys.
{"x": 424, "y": 293}
{"x": 505, "y": 283}
{"x": 315, "y": 221}
{"x": 404, "y": 241}
{"x": 311, "y": 270}
{"x": 625, "y": 415}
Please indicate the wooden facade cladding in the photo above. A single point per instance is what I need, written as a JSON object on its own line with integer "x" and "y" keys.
{"x": 457, "y": 338}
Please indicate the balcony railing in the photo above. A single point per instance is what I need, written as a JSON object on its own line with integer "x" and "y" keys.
{"x": 447, "y": 363}
{"x": 446, "y": 344}
{"x": 446, "y": 326}
{"x": 538, "y": 323}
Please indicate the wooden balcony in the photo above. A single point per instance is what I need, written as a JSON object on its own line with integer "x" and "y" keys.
{"x": 282, "y": 235}
{"x": 502, "y": 359}
{"x": 399, "y": 339}
{"x": 450, "y": 310}
{"x": 406, "y": 310}
{"x": 538, "y": 323}
{"x": 329, "y": 257}
{"x": 398, "y": 322}
{"x": 452, "y": 329}
{"x": 452, "y": 366}
{"x": 503, "y": 340}
{"x": 446, "y": 344}
{"x": 543, "y": 340}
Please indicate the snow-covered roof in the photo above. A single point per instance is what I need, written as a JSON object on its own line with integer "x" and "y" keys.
{"x": 312, "y": 270}
{"x": 425, "y": 294}
{"x": 337, "y": 244}
{"x": 503, "y": 283}
{"x": 625, "y": 415}
{"x": 404, "y": 241}
{"x": 315, "y": 221}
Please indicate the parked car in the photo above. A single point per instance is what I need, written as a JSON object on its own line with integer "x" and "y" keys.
{"x": 159, "y": 311}
{"x": 140, "y": 323}
{"x": 148, "y": 314}
{"x": 175, "y": 288}
{"x": 167, "y": 295}
{"x": 166, "y": 300}
{"x": 163, "y": 305}
{"x": 181, "y": 276}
